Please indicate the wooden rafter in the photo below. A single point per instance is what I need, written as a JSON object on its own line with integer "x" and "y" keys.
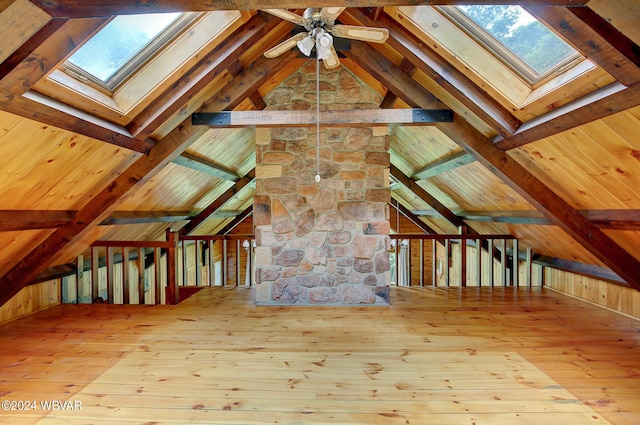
{"x": 237, "y": 220}
{"x": 204, "y": 165}
{"x": 142, "y": 217}
{"x": 448, "y": 163}
{"x": 217, "y": 204}
{"x": 173, "y": 99}
{"x": 610, "y": 50}
{"x": 87, "y": 8}
{"x": 11, "y": 220}
{"x": 456, "y": 83}
{"x": 401, "y": 209}
{"x": 341, "y": 118}
{"x": 105, "y": 202}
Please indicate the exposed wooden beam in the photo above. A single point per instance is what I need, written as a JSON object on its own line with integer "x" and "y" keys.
{"x": 11, "y": 220}
{"x": 237, "y": 220}
{"x": 401, "y": 209}
{"x": 427, "y": 197}
{"x": 599, "y": 104}
{"x": 257, "y": 101}
{"x": 579, "y": 268}
{"x": 104, "y": 203}
{"x": 86, "y": 8}
{"x": 329, "y": 118}
{"x": 217, "y": 204}
{"x": 604, "y": 45}
{"x": 448, "y": 163}
{"x": 388, "y": 100}
{"x": 37, "y": 107}
{"x": 40, "y": 55}
{"x": 198, "y": 163}
{"x": 144, "y": 217}
{"x": 546, "y": 200}
{"x": 174, "y": 98}
{"x": 458, "y": 85}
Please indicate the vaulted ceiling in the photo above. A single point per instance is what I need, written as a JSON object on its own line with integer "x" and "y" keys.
{"x": 555, "y": 165}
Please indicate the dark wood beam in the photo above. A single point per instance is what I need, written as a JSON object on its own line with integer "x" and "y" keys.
{"x": 104, "y": 203}
{"x": 330, "y": 118}
{"x": 604, "y": 45}
{"x": 458, "y": 85}
{"x": 87, "y": 8}
{"x": 217, "y": 204}
{"x": 582, "y": 269}
{"x": 237, "y": 220}
{"x": 545, "y": 199}
{"x": 145, "y": 217}
{"x": 12, "y": 220}
{"x": 257, "y": 101}
{"x": 38, "y": 56}
{"x": 203, "y": 165}
{"x": 448, "y": 163}
{"x": 428, "y": 198}
{"x": 401, "y": 209}
{"x": 174, "y": 98}
{"x": 599, "y": 104}
{"x": 388, "y": 100}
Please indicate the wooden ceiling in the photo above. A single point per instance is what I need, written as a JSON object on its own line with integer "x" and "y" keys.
{"x": 559, "y": 168}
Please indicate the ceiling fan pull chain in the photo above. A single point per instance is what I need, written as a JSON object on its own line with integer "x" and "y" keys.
{"x": 317, "y": 117}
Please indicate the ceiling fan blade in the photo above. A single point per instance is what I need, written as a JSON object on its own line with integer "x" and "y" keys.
{"x": 373, "y": 35}
{"x": 285, "y": 45}
{"x": 331, "y": 13}
{"x": 289, "y": 16}
{"x": 332, "y": 60}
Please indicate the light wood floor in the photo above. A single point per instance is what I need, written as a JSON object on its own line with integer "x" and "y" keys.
{"x": 436, "y": 356}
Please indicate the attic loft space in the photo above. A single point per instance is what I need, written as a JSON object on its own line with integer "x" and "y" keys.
{"x": 504, "y": 49}
{"x": 132, "y": 59}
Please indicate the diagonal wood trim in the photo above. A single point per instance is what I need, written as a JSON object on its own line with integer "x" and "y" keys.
{"x": 197, "y": 78}
{"x": 203, "y": 165}
{"x": 341, "y": 118}
{"x": 546, "y": 200}
{"x": 575, "y": 267}
{"x": 448, "y": 163}
{"x": 600, "y": 48}
{"x": 147, "y": 166}
{"x": 428, "y": 198}
{"x": 11, "y": 220}
{"x": 401, "y": 209}
{"x": 87, "y": 8}
{"x": 237, "y": 220}
{"x": 599, "y": 104}
{"x": 433, "y": 65}
{"x": 37, "y": 107}
{"x": 218, "y": 203}
{"x": 143, "y": 217}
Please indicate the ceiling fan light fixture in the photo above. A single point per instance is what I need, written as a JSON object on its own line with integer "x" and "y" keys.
{"x": 324, "y": 42}
{"x": 306, "y": 45}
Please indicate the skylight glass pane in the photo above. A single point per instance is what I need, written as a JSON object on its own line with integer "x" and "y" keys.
{"x": 522, "y": 34}
{"x": 118, "y": 42}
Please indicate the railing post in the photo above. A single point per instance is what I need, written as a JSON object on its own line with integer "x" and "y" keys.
{"x": 503, "y": 262}
{"x": 447, "y": 263}
{"x": 515, "y": 262}
{"x": 172, "y": 290}
{"x": 198, "y": 263}
{"x": 95, "y": 274}
{"x": 478, "y": 263}
{"x": 141, "y": 276}
{"x": 224, "y": 263}
{"x": 126, "y": 282}
{"x": 110, "y": 288}
{"x": 157, "y": 276}
{"x": 529, "y": 265}
{"x": 434, "y": 263}
{"x": 490, "y": 257}
{"x": 79, "y": 277}
{"x": 421, "y": 262}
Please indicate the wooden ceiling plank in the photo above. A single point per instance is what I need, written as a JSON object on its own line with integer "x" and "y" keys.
{"x": 448, "y": 163}
{"x": 435, "y": 67}
{"x": 203, "y": 165}
{"x": 104, "y": 203}
{"x": 47, "y": 53}
{"x": 332, "y": 118}
{"x": 198, "y": 77}
{"x": 604, "y": 45}
{"x": 12, "y": 220}
{"x": 37, "y": 107}
{"x": 217, "y": 203}
{"x": 89, "y": 8}
{"x": 546, "y": 200}
{"x": 599, "y": 104}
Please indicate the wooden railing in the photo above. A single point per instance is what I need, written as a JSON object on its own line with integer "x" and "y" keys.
{"x": 465, "y": 260}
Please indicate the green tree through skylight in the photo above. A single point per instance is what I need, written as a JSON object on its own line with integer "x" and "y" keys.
{"x": 522, "y": 34}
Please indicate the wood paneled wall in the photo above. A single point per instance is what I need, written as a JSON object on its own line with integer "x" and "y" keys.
{"x": 31, "y": 299}
{"x": 616, "y": 297}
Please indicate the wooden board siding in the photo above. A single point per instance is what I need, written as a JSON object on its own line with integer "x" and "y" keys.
{"x": 31, "y": 299}
{"x": 606, "y": 294}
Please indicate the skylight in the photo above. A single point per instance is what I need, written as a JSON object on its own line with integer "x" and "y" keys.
{"x": 516, "y": 37}
{"x": 121, "y": 46}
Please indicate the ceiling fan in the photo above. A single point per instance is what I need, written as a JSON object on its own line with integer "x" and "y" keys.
{"x": 321, "y": 28}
